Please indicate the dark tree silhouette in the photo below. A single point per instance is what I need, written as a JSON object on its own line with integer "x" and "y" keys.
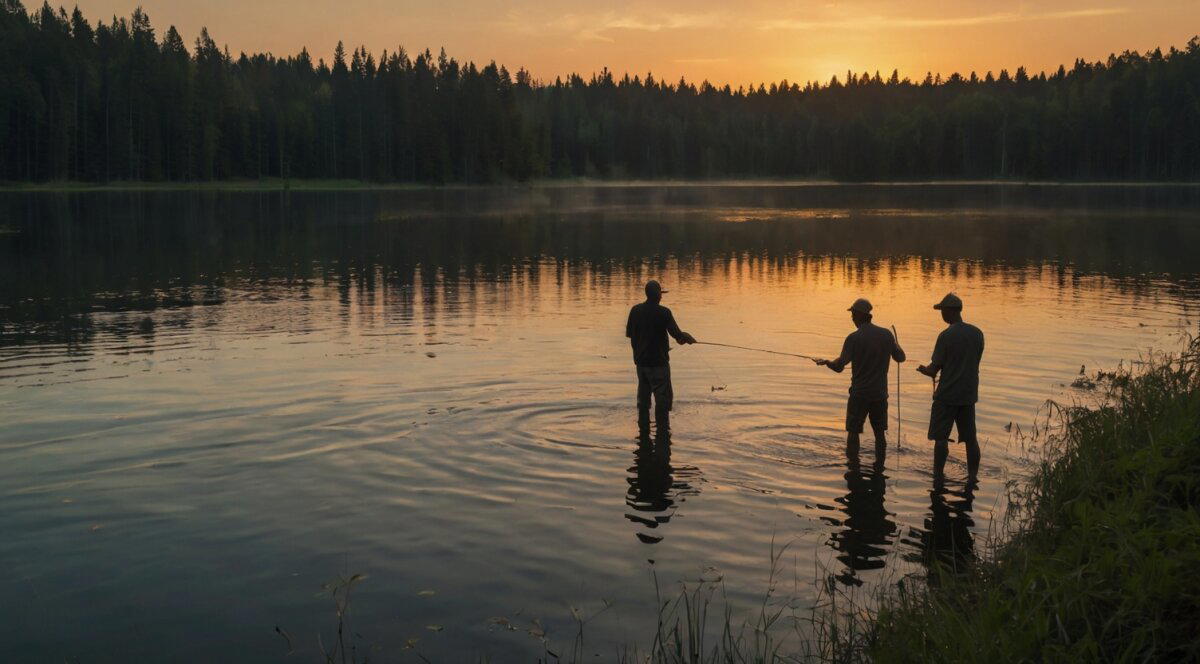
{"x": 117, "y": 102}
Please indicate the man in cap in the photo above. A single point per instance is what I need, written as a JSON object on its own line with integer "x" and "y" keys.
{"x": 869, "y": 350}
{"x": 648, "y": 325}
{"x": 956, "y": 357}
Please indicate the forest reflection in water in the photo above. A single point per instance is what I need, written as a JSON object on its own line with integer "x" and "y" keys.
{"x": 189, "y": 370}
{"x": 68, "y": 255}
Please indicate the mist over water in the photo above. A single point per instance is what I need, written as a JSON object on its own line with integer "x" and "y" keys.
{"x": 215, "y": 402}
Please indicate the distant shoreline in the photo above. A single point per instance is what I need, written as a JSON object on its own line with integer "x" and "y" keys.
{"x": 274, "y": 184}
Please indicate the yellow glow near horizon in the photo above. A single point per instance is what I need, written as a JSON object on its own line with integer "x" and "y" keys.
{"x": 758, "y": 41}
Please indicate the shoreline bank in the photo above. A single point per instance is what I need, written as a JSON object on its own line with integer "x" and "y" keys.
{"x": 275, "y": 184}
{"x": 1099, "y": 558}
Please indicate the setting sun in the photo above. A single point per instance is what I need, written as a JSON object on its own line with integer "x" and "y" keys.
{"x": 753, "y": 42}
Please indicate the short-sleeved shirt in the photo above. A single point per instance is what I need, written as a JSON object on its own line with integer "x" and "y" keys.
{"x": 869, "y": 349}
{"x": 958, "y": 350}
{"x": 647, "y": 329}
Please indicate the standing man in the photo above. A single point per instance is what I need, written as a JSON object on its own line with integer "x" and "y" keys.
{"x": 869, "y": 351}
{"x": 956, "y": 357}
{"x": 647, "y": 328}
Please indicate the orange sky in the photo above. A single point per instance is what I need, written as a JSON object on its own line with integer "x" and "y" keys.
{"x": 734, "y": 42}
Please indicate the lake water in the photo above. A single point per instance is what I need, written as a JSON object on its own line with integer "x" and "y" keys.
{"x": 213, "y": 403}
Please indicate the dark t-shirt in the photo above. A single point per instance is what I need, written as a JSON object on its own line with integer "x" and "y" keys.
{"x": 647, "y": 329}
{"x": 958, "y": 350}
{"x": 869, "y": 350}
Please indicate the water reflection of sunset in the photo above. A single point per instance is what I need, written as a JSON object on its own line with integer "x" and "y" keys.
{"x": 438, "y": 381}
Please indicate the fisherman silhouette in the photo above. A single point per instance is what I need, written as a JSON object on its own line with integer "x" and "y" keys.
{"x": 647, "y": 327}
{"x": 956, "y": 356}
{"x": 869, "y": 350}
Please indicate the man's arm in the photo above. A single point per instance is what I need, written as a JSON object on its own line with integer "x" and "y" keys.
{"x": 673, "y": 329}
{"x": 629, "y": 324}
{"x": 839, "y": 365}
{"x": 898, "y": 352}
{"x": 939, "y": 358}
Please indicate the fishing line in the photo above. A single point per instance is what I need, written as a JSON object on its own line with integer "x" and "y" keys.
{"x": 758, "y": 350}
{"x": 721, "y": 384}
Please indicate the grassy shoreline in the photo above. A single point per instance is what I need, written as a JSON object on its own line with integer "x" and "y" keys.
{"x": 1102, "y": 545}
{"x": 277, "y": 184}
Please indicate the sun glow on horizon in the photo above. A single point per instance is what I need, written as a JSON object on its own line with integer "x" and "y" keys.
{"x": 760, "y": 42}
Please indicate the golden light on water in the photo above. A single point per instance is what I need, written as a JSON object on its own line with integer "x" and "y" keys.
{"x": 438, "y": 381}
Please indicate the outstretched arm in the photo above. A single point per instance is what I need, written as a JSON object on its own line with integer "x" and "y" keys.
{"x": 838, "y": 365}
{"x": 680, "y": 336}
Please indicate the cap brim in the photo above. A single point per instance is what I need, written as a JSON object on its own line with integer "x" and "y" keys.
{"x": 940, "y": 306}
{"x": 664, "y": 291}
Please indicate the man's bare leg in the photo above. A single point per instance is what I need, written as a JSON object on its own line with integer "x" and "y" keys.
{"x": 852, "y": 450}
{"x": 880, "y": 445}
{"x": 941, "y": 449}
{"x": 972, "y": 458}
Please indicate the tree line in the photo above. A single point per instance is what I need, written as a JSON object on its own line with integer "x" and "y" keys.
{"x": 116, "y": 102}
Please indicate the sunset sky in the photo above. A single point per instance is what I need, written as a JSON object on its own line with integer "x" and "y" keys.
{"x": 724, "y": 42}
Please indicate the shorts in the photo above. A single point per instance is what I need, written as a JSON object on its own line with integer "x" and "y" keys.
{"x": 943, "y": 416}
{"x": 655, "y": 381}
{"x": 858, "y": 409}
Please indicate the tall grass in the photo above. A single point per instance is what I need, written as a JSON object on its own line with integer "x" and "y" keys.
{"x": 1100, "y": 560}
{"x": 687, "y": 632}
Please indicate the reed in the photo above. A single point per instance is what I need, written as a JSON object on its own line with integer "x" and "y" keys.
{"x": 1099, "y": 558}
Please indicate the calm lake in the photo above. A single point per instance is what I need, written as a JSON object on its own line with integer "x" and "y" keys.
{"x": 215, "y": 403}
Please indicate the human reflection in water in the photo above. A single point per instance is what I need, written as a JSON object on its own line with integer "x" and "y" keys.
{"x": 947, "y": 542}
{"x": 655, "y": 487}
{"x": 868, "y": 528}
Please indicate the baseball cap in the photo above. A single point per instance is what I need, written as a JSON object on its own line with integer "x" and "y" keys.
{"x": 951, "y": 301}
{"x": 654, "y": 286}
{"x": 862, "y": 305}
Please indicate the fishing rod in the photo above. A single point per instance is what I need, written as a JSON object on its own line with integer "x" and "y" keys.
{"x": 899, "y": 422}
{"x": 758, "y": 350}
